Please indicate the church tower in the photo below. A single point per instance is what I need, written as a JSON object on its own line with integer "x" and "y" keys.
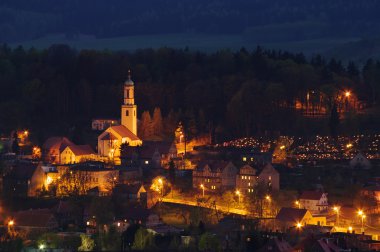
{"x": 129, "y": 109}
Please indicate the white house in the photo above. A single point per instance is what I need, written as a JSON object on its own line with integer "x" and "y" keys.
{"x": 314, "y": 201}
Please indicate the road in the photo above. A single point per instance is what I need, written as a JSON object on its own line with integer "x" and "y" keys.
{"x": 195, "y": 203}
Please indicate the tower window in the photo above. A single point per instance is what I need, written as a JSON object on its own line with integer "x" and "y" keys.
{"x": 128, "y": 93}
{"x": 134, "y": 112}
{"x": 127, "y": 112}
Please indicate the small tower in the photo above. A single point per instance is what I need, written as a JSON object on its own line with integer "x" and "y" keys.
{"x": 129, "y": 109}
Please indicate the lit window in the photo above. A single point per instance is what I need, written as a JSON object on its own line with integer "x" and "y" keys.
{"x": 249, "y": 184}
{"x": 146, "y": 162}
{"x": 270, "y": 177}
{"x": 251, "y": 158}
{"x": 244, "y": 159}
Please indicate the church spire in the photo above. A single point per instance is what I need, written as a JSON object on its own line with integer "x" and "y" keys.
{"x": 129, "y": 81}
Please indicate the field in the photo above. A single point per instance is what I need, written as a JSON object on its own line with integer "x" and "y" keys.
{"x": 193, "y": 41}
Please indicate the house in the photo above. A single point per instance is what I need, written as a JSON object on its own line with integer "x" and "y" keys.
{"x": 35, "y": 220}
{"x": 314, "y": 201}
{"x": 246, "y": 179}
{"x": 291, "y": 217}
{"x": 53, "y": 147}
{"x": 87, "y": 176}
{"x": 103, "y": 123}
{"x": 25, "y": 179}
{"x": 151, "y": 154}
{"x": 270, "y": 176}
{"x": 360, "y": 162}
{"x": 77, "y": 153}
{"x": 111, "y": 139}
{"x": 129, "y": 192}
{"x": 215, "y": 175}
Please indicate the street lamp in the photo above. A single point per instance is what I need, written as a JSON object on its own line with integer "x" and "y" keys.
{"x": 161, "y": 182}
{"x": 298, "y": 204}
{"x": 347, "y": 94}
{"x": 350, "y": 229}
{"x": 299, "y": 226}
{"x": 336, "y": 209}
{"x": 268, "y": 198}
{"x": 203, "y": 190}
{"x": 238, "y": 194}
{"x": 363, "y": 216}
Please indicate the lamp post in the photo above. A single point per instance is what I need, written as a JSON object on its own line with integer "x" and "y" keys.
{"x": 238, "y": 194}
{"x": 161, "y": 186}
{"x": 203, "y": 190}
{"x": 298, "y": 204}
{"x": 268, "y": 198}
{"x": 363, "y": 216}
{"x": 336, "y": 209}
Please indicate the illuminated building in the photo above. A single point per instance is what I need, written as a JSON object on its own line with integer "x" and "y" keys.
{"x": 111, "y": 139}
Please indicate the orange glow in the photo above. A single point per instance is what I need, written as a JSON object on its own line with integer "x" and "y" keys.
{"x": 347, "y": 94}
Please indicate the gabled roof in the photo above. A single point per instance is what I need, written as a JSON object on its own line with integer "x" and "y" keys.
{"x": 311, "y": 195}
{"x": 215, "y": 165}
{"x": 123, "y": 131}
{"x": 56, "y": 143}
{"x": 108, "y": 136}
{"x": 251, "y": 170}
{"x": 80, "y": 150}
{"x": 268, "y": 169}
{"x": 288, "y": 214}
{"x": 37, "y": 218}
{"x": 129, "y": 189}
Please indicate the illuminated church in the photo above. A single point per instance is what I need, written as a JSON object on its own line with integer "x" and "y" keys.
{"x": 110, "y": 140}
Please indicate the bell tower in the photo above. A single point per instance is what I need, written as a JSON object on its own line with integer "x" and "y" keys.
{"x": 129, "y": 109}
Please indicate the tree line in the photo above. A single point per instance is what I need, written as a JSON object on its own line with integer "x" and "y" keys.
{"x": 230, "y": 93}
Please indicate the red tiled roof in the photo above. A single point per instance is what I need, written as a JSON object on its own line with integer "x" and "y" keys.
{"x": 125, "y": 132}
{"x": 80, "y": 150}
{"x": 288, "y": 214}
{"x": 56, "y": 143}
{"x": 311, "y": 195}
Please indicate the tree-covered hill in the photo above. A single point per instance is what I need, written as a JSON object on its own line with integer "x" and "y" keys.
{"x": 239, "y": 93}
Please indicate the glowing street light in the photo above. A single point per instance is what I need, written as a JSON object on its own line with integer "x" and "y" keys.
{"x": 299, "y": 225}
{"x": 203, "y": 190}
{"x": 347, "y": 94}
{"x": 268, "y": 198}
{"x": 363, "y": 216}
{"x": 238, "y": 194}
{"x": 161, "y": 182}
{"x": 41, "y": 247}
{"x": 11, "y": 223}
{"x": 26, "y": 133}
{"x": 298, "y": 204}
{"x": 336, "y": 209}
{"x": 350, "y": 229}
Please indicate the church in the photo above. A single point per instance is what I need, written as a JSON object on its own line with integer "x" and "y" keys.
{"x": 110, "y": 140}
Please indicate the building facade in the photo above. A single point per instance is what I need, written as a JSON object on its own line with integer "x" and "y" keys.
{"x": 110, "y": 141}
{"x": 215, "y": 175}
